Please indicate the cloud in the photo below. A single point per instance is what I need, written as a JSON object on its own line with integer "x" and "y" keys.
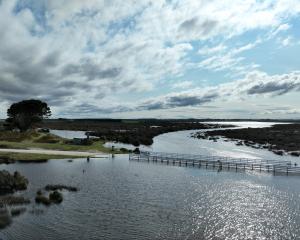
{"x": 261, "y": 83}
{"x": 219, "y": 60}
{"x": 281, "y": 28}
{"x": 189, "y": 25}
{"x": 212, "y": 50}
{"x": 282, "y": 111}
{"x": 183, "y": 85}
{"x": 194, "y": 25}
{"x": 69, "y": 52}
{"x": 287, "y": 41}
{"x": 254, "y": 84}
{"x": 177, "y": 100}
{"x": 91, "y": 71}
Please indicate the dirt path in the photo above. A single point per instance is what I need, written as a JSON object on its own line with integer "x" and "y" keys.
{"x": 52, "y": 152}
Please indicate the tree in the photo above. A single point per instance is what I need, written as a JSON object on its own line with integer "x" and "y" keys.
{"x": 23, "y": 114}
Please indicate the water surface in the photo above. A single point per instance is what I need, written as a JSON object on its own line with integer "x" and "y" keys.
{"x": 182, "y": 142}
{"x": 121, "y": 199}
{"x": 68, "y": 134}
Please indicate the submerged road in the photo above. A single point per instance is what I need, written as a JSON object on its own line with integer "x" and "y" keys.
{"x": 52, "y": 152}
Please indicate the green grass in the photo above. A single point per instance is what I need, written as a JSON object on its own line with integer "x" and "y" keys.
{"x": 96, "y": 146}
{"x": 33, "y": 156}
{"x": 33, "y": 139}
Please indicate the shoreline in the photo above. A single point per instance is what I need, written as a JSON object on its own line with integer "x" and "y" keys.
{"x": 281, "y": 139}
{"x": 135, "y": 132}
{"x": 52, "y": 152}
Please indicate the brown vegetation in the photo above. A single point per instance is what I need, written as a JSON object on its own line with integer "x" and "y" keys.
{"x": 135, "y": 132}
{"x": 276, "y": 138}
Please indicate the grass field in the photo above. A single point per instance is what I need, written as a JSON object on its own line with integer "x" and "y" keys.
{"x": 33, "y": 157}
{"x": 33, "y": 139}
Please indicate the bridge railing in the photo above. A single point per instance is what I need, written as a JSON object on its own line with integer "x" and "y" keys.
{"x": 199, "y": 157}
{"x": 275, "y": 166}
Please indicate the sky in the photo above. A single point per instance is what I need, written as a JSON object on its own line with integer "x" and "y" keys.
{"x": 152, "y": 59}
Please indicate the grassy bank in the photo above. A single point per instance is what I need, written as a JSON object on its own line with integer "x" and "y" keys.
{"x": 33, "y": 139}
{"x": 32, "y": 156}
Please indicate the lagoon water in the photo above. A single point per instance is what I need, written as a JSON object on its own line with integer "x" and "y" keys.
{"x": 182, "y": 142}
{"x": 68, "y": 134}
{"x": 121, "y": 199}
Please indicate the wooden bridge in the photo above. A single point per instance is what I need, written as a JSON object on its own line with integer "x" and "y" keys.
{"x": 219, "y": 163}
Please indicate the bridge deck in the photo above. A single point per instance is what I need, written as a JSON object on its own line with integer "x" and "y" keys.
{"x": 218, "y": 162}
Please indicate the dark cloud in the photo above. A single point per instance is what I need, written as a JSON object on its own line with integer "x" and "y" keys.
{"x": 183, "y": 100}
{"x": 51, "y": 59}
{"x": 275, "y": 87}
{"x": 207, "y": 26}
{"x": 193, "y": 25}
{"x": 151, "y": 105}
{"x": 75, "y": 85}
{"x": 189, "y": 24}
{"x": 91, "y": 71}
{"x": 86, "y": 109}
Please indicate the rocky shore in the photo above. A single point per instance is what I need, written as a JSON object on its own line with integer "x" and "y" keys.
{"x": 281, "y": 138}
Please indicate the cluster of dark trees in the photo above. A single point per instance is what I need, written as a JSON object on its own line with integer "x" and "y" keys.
{"x": 23, "y": 115}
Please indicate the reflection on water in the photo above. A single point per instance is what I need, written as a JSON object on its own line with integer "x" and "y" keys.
{"x": 119, "y": 199}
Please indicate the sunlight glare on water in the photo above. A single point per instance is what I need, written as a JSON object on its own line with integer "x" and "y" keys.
{"x": 121, "y": 199}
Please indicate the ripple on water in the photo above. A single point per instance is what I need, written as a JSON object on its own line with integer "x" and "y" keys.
{"x": 119, "y": 199}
